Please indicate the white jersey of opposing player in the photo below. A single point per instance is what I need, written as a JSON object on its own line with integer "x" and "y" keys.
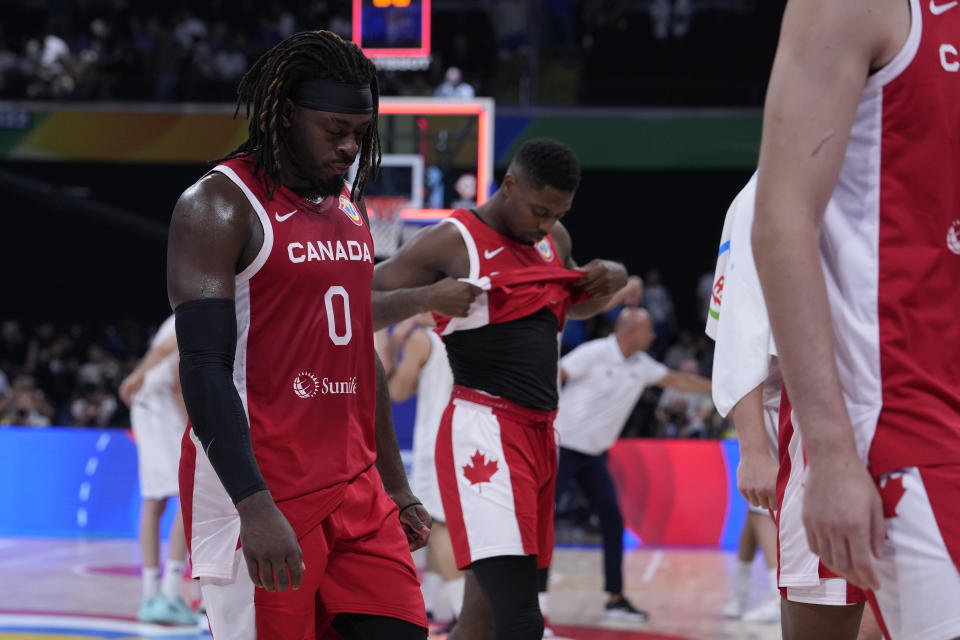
{"x": 156, "y": 395}
{"x": 433, "y": 395}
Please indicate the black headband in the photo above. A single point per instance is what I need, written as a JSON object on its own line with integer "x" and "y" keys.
{"x": 336, "y": 97}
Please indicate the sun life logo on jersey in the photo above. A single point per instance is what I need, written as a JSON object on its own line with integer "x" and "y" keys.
{"x": 351, "y": 210}
{"x": 543, "y": 247}
{"x": 953, "y": 237}
{"x": 305, "y": 385}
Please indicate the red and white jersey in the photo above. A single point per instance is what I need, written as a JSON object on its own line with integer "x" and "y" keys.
{"x": 304, "y": 366}
{"x": 890, "y": 250}
{"x": 518, "y": 279}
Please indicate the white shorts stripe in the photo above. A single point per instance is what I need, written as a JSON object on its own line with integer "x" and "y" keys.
{"x": 799, "y": 567}
{"x": 489, "y": 511}
{"x": 215, "y": 524}
{"x": 230, "y": 603}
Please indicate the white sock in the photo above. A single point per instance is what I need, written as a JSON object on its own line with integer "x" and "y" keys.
{"x": 744, "y": 569}
{"x": 172, "y": 577}
{"x": 454, "y": 592}
{"x": 544, "y": 598}
{"x": 150, "y": 581}
{"x": 773, "y": 581}
{"x": 432, "y": 582}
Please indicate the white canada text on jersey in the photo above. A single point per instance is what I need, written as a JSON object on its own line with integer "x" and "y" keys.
{"x": 336, "y": 250}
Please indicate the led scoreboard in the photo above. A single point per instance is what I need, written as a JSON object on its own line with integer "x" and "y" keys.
{"x": 398, "y": 29}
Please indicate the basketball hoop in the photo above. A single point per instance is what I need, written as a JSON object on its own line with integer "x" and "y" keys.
{"x": 386, "y": 223}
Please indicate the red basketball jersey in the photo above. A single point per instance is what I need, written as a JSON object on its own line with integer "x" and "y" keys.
{"x": 890, "y": 250}
{"x": 304, "y": 364}
{"x": 520, "y": 279}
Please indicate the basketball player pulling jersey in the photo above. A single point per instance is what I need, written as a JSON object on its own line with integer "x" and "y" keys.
{"x": 496, "y": 453}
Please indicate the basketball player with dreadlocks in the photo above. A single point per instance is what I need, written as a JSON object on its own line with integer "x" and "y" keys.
{"x": 295, "y": 502}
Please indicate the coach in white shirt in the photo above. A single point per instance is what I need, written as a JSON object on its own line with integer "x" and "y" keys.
{"x": 603, "y": 380}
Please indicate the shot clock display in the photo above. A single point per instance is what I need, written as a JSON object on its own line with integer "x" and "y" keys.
{"x": 392, "y": 28}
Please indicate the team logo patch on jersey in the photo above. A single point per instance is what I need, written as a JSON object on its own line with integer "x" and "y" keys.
{"x": 953, "y": 237}
{"x": 351, "y": 210}
{"x": 545, "y": 250}
{"x": 305, "y": 385}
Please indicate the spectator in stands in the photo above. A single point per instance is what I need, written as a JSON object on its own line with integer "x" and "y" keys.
{"x": 13, "y": 347}
{"x": 680, "y": 351}
{"x": 659, "y": 303}
{"x": 25, "y": 405}
{"x": 23, "y": 410}
{"x": 686, "y": 414}
{"x": 99, "y": 369}
{"x": 453, "y": 85}
{"x": 466, "y": 188}
{"x": 93, "y": 407}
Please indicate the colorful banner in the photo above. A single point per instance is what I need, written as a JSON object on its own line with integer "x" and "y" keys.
{"x": 604, "y": 141}
{"x": 679, "y": 492}
{"x": 118, "y": 136}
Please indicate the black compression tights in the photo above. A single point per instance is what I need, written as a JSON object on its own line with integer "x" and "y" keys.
{"x": 357, "y": 626}
{"x": 510, "y": 584}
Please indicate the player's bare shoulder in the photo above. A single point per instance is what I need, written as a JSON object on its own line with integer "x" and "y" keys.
{"x": 434, "y": 252}
{"x": 214, "y": 233}
{"x": 211, "y": 204}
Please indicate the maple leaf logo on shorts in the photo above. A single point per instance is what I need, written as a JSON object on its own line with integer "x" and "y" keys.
{"x": 480, "y": 469}
{"x": 891, "y": 491}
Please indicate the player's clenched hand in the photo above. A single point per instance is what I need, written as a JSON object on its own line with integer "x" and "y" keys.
{"x": 757, "y": 479}
{"x": 602, "y": 278}
{"x": 451, "y": 297}
{"x": 269, "y": 545}
{"x": 415, "y": 521}
{"x": 843, "y": 516}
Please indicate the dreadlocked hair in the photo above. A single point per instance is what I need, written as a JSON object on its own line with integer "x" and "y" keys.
{"x": 308, "y": 55}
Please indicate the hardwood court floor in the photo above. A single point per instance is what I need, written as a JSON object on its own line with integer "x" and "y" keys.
{"x": 65, "y": 588}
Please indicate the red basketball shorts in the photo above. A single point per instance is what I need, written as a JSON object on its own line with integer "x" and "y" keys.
{"x": 357, "y": 562}
{"x": 497, "y": 466}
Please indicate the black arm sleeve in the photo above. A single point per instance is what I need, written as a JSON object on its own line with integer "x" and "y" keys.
{"x": 207, "y": 339}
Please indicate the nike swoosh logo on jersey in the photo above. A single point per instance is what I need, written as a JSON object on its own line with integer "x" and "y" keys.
{"x": 281, "y": 218}
{"x": 937, "y": 9}
{"x": 489, "y": 254}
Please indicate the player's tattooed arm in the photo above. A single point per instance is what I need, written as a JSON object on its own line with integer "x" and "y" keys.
{"x": 423, "y": 276}
{"x": 413, "y": 517}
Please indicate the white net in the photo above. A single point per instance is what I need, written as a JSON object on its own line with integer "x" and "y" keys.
{"x": 386, "y": 223}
